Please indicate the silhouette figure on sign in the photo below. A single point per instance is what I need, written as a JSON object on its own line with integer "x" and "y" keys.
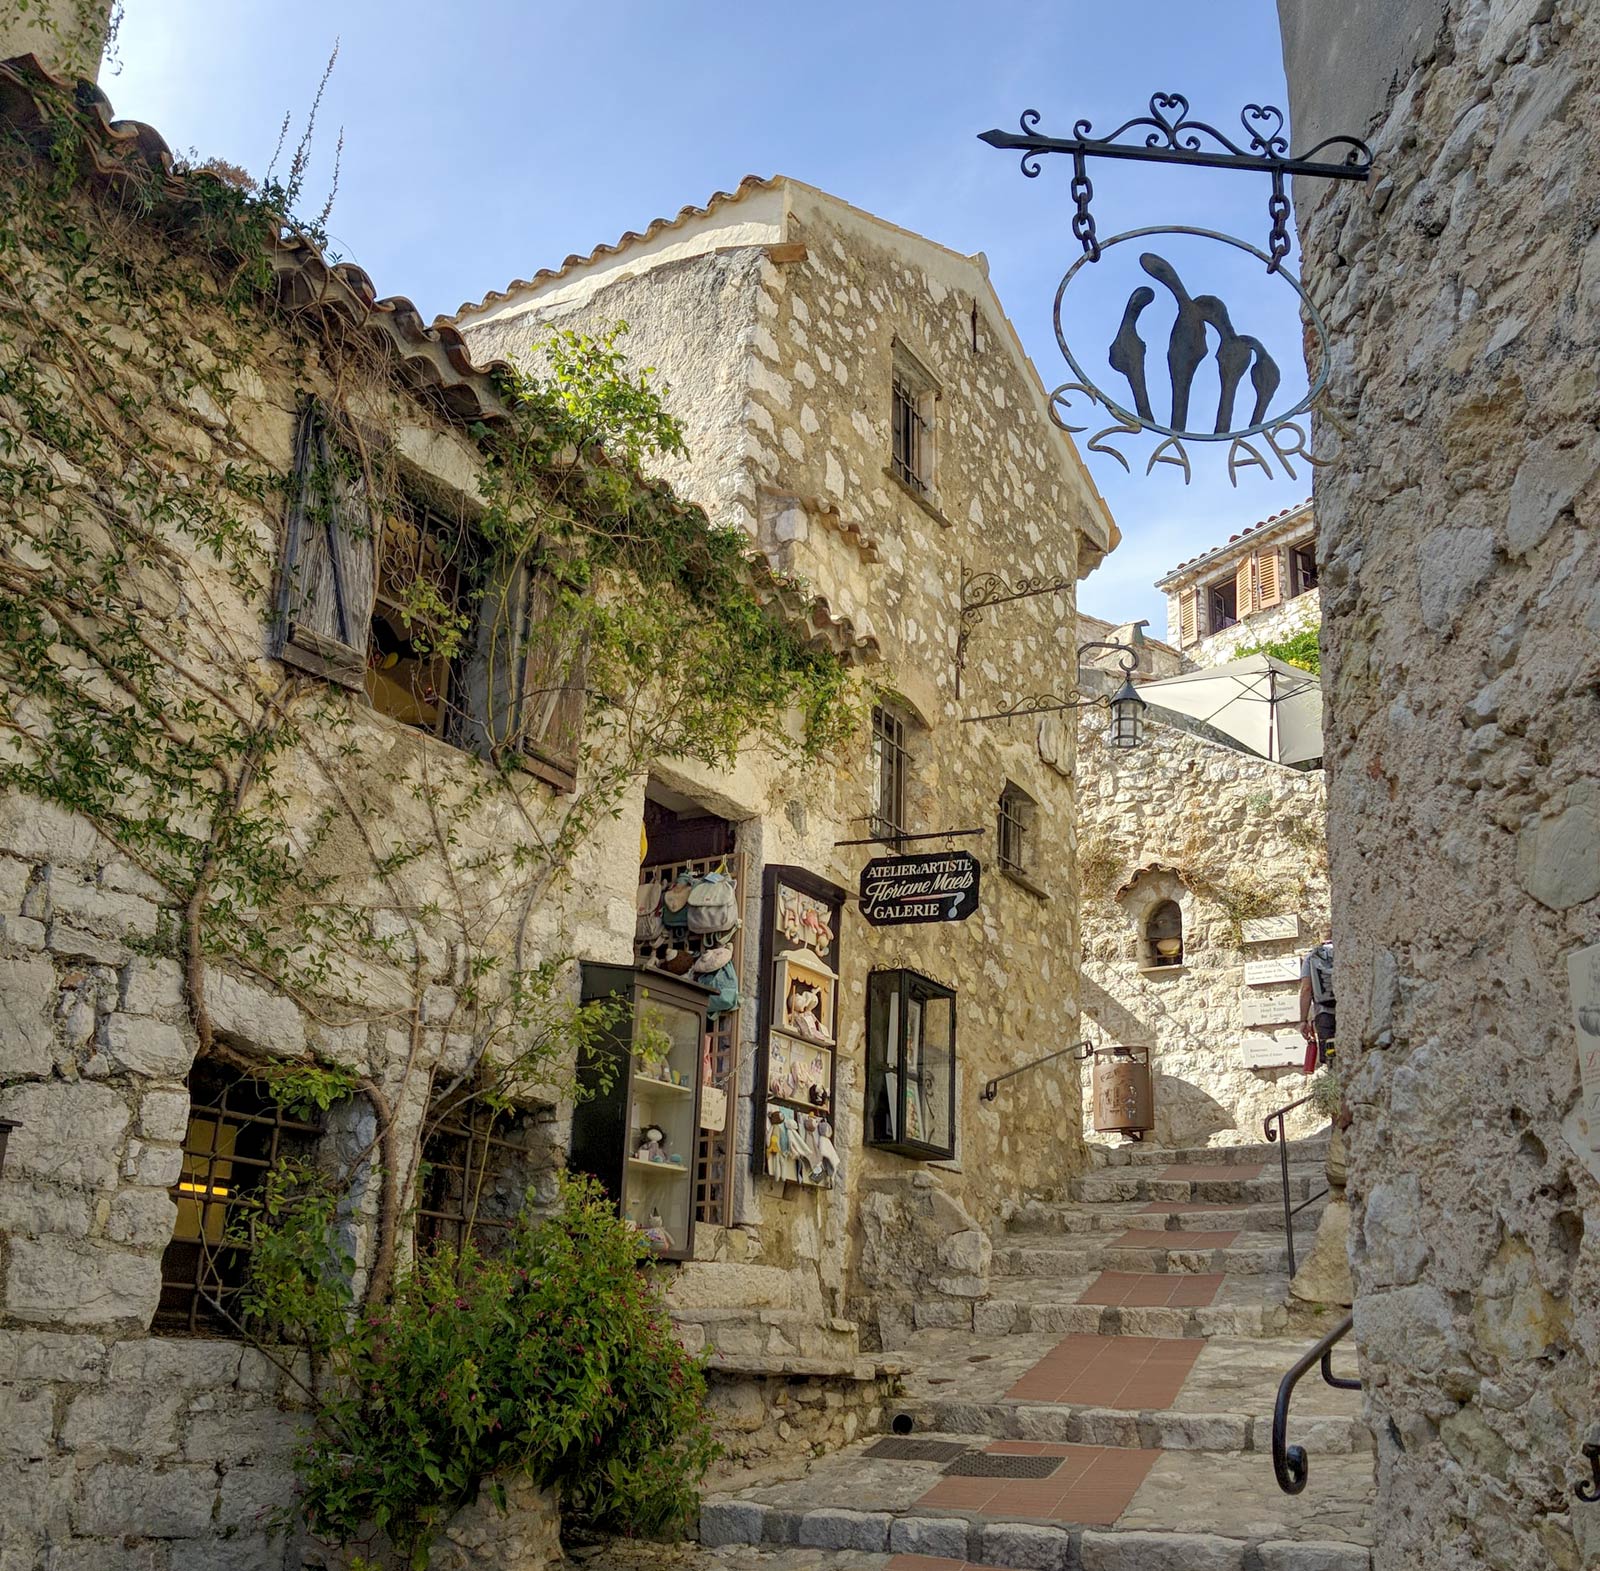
{"x": 1127, "y": 350}
{"x": 1236, "y": 352}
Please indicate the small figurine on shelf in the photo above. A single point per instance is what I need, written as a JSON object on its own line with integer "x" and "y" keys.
{"x": 651, "y": 1144}
{"x": 804, "y": 1011}
{"x": 827, "y": 1154}
{"x": 656, "y": 1230}
{"x": 774, "y": 1143}
{"x": 818, "y": 1095}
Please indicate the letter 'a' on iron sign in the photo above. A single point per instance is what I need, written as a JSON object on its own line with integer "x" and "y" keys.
{"x": 939, "y": 886}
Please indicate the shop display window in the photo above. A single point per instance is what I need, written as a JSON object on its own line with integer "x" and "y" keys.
{"x": 911, "y": 1065}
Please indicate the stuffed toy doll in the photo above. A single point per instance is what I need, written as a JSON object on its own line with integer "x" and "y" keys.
{"x": 804, "y": 1011}
{"x": 652, "y": 1146}
{"x": 827, "y": 1153}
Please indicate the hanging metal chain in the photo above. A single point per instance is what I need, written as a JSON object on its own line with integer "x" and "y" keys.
{"x": 1278, "y": 209}
{"x": 1083, "y": 219}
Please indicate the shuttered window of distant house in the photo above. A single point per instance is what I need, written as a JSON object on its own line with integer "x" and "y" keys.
{"x": 1188, "y": 626}
{"x": 1269, "y": 579}
{"x": 1243, "y": 586}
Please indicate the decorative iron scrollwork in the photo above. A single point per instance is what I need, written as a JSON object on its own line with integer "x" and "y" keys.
{"x": 1589, "y": 1492}
{"x": 1171, "y": 135}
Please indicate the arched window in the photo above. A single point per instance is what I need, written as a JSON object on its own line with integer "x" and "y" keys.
{"x": 1163, "y": 935}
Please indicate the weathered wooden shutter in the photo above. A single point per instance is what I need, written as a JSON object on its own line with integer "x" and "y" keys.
{"x": 1187, "y": 622}
{"x": 1269, "y": 578}
{"x": 525, "y": 682}
{"x": 1243, "y": 604}
{"x": 329, "y": 569}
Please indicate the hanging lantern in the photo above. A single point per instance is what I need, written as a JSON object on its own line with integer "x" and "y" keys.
{"x": 1127, "y": 717}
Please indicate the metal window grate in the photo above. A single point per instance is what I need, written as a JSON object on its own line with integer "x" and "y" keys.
{"x": 910, "y": 447}
{"x": 889, "y": 761}
{"x": 237, "y": 1134}
{"x": 476, "y": 1175}
{"x": 1011, "y": 826}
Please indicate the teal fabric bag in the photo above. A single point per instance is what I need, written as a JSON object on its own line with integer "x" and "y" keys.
{"x": 724, "y": 985}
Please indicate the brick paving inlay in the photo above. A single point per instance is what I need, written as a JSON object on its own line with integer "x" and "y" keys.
{"x": 1153, "y": 1289}
{"x": 1208, "y": 1172}
{"x": 1134, "y": 1373}
{"x": 1167, "y": 1238}
{"x": 1093, "y": 1485}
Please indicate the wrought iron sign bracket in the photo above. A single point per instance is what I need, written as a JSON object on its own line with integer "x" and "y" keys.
{"x": 1170, "y": 136}
{"x": 979, "y": 591}
{"x": 1049, "y": 703}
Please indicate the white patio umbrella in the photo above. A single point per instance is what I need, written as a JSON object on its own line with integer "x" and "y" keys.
{"x": 1271, "y": 707}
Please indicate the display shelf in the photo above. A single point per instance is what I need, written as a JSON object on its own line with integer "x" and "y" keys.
{"x": 644, "y": 1083}
{"x": 658, "y": 1167}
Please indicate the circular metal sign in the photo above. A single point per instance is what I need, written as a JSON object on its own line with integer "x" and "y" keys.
{"x": 1243, "y": 363}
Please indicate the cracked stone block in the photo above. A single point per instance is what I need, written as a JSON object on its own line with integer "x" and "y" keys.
{"x": 72, "y": 1282}
{"x": 124, "y": 1498}
{"x": 724, "y": 1522}
{"x": 1027, "y": 1547}
{"x": 830, "y": 1529}
{"x": 929, "y": 1535}
{"x": 27, "y": 999}
{"x": 1314, "y": 1557}
{"x": 146, "y": 1047}
{"x": 1160, "y": 1552}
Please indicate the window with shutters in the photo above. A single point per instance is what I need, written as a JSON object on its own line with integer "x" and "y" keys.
{"x": 1188, "y": 616}
{"x": 889, "y": 772}
{"x": 1222, "y": 604}
{"x": 1302, "y": 568}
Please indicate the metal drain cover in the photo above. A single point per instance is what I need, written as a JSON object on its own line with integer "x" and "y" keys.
{"x": 985, "y": 1464}
{"x": 897, "y": 1450}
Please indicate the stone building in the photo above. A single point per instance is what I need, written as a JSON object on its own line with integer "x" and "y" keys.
{"x": 1196, "y": 840}
{"x": 856, "y": 401}
{"x": 1461, "y": 637}
{"x": 1258, "y": 588}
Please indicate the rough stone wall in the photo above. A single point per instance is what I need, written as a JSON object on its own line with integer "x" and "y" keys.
{"x": 1172, "y": 820}
{"x": 805, "y": 467}
{"x": 1462, "y": 648}
{"x": 124, "y": 1448}
{"x": 1260, "y": 627}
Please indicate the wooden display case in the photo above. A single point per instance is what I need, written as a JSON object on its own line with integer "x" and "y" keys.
{"x": 613, "y": 1125}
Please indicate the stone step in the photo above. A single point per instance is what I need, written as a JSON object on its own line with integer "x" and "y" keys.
{"x": 1073, "y": 1256}
{"x": 1161, "y": 1511}
{"x": 1312, "y": 1149}
{"x": 754, "y": 1339}
{"x": 1138, "y": 1184}
{"x": 1045, "y": 1217}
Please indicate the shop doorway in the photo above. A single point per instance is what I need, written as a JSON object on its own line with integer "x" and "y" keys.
{"x": 681, "y": 837}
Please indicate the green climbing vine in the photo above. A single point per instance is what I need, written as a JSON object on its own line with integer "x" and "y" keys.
{"x": 1303, "y": 649}
{"x": 397, "y": 888}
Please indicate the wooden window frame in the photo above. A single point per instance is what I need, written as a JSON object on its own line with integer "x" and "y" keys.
{"x": 1302, "y": 582}
{"x": 913, "y": 425}
{"x": 888, "y": 1040}
{"x": 1014, "y": 830}
{"x": 463, "y": 1141}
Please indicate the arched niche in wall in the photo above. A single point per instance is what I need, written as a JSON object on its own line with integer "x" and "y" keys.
{"x": 1154, "y": 903}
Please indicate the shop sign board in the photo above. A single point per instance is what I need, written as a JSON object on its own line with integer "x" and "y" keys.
{"x": 1263, "y": 973}
{"x": 939, "y": 886}
{"x": 1266, "y": 929}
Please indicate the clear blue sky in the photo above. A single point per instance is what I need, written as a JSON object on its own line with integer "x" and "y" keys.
{"x": 484, "y": 141}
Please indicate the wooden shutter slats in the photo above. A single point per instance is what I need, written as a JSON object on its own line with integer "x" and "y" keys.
{"x": 328, "y": 573}
{"x": 1243, "y": 586}
{"x": 1186, "y": 616}
{"x": 1270, "y": 578}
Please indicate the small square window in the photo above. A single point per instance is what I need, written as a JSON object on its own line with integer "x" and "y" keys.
{"x": 238, "y": 1133}
{"x": 1222, "y": 605}
{"x": 1014, "y": 830}
{"x": 1302, "y": 568}
{"x": 913, "y": 401}
{"x": 889, "y": 773}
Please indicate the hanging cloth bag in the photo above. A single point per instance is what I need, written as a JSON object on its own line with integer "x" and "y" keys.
{"x": 675, "y": 902}
{"x": 724, "y": 985}
{"x": 647, "y": 928}
{"x": 713, "y": 905}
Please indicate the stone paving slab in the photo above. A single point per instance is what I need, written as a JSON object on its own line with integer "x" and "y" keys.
{"x": 1138, "y": 1154}
{"x": 1037, "y": 1219}
{"x": 1144, "y": 1186}
{"x": 1065, "y": 1257}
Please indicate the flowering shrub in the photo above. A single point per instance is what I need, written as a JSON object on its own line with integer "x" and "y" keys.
{"x": 553, "y": 1358}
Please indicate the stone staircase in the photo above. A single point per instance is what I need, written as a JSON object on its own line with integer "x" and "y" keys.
{"x": 1108, "y": 1408}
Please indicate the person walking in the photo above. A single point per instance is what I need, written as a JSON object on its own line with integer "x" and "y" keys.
{"x": 1317, "y": 1003}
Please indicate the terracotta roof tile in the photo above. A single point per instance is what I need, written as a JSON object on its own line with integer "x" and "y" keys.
{"x": 631, "y": 237}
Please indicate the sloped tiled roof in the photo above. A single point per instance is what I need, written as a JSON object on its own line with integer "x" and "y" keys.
{"x": 1183, "y": 569}
{"x": 655, "y": 227}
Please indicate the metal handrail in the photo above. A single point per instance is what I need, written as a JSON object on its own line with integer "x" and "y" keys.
{"x": 991, "y": 1088}
{"x": 1289, "y": 1463}
{"x": 1280, "y": 1138}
